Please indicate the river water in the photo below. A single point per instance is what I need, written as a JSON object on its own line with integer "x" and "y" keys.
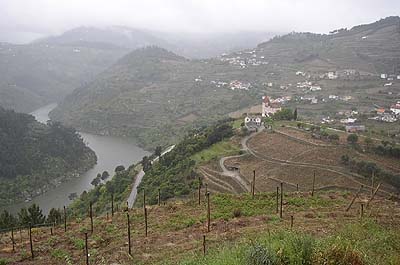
{"x": 111, "y": 152}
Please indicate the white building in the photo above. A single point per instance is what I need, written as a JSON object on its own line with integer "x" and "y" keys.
{"x": 395, "y": 108}
{"x": 252, "y": 123}
{"x": 383, "y": 76}
{"x": 332, "y": 75}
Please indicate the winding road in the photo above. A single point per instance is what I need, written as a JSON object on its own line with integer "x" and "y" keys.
{"x": 139, "y": 177}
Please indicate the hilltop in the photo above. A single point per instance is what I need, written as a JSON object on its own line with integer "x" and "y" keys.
{"x": 35, "y": 156}
{"x": 151, "y": 90}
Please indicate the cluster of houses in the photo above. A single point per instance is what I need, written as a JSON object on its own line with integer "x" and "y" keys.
{"x": 250, "y": 59}
{"x": 236, "y": 84}
{"x": 308, "y": 85}
{"x": 388, "y": 115}
{"x": 390, "y": 79}
{"x": 332, "y": 75}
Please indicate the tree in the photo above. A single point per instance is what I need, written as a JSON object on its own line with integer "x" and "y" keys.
{"x": 7, "y": 220}
{"x": 284, "y": 114}
{"x": 33, "y": 215}
{"x": 105, "y": 175}
{"x": 352, "y": 138}
{"x": 119, "y": 168}
{"x": 36, "y": 215}
{"x": 146, "y": 163}
{"x": 295, "y": 114}
{"x": 158, "y": 151}
{"x": 54, "y": 216}
{"x": 369, "y": 142}
{"x": 333, "y": 137}
{"x": 95, "y": 182}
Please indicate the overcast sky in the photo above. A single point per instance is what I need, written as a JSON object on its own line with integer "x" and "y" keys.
{"x": 24, "y": 19}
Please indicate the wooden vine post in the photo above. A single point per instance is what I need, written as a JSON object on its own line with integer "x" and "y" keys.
{"x": 129, "y": 234}
{"x": 12, "y": 239}
{"x": 65, "y": 219}
{"x": 159, "y": 197}
{"x": 208, "y": 212}
{"x": 281, "y": 210}
{"x": 30, "y": 240}
{"x": 204, "y": 245}
{"x": 145, "y": 220}
{"x": 86, "y": 249}
{"x": 199, "y": 187}
{"x": 277, "y": 199}
{"x": 253, "y": 184}
{"x": 313, "y": 185}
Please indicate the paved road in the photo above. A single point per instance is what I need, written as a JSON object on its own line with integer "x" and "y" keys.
{"x": 139, "y": 177}
{"x": 235, "y": 174}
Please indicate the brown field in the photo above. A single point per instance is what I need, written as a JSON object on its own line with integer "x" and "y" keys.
{"x": 293, "y": 159}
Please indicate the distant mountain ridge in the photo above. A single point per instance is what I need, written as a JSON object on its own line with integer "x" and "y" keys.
{"x": 37, "y": 74}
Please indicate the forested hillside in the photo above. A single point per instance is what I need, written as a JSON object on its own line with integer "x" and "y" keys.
{"x": 34, "y": 156}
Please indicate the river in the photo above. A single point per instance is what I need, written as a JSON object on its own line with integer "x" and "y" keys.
{"x": 111, "y": 152}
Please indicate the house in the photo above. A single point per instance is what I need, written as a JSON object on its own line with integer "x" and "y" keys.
{"x": 269, "y": 107}
{"x": 398, "y": 77}
{"x": 315, "y": 88}
{"x": 355, "y": 128}
{"x": 252, "y": 123}
{"x": 395, "y": 108}
{"x": 332, "y": 75}
{"x": 333, "y": 97}
{"x": 383, "y": 76}
{"x": 380, "y": 111}
{"x": 348, "y": 120}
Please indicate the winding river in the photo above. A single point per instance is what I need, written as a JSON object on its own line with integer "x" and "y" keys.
{"x": 110, "y": 151}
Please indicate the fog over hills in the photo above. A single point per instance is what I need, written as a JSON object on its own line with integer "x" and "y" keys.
{"x": 153, "y": 90}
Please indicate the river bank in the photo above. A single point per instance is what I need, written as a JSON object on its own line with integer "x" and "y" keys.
{"x": 111, "y": 152}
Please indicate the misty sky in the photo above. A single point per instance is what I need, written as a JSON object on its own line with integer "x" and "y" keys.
{"x": 21, "y": 20}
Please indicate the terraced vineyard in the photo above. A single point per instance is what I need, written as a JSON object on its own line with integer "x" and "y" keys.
{"x": 176, "y": 229}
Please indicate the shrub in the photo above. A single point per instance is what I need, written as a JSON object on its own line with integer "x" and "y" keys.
{"x": 339, "y": 255}
{"x": 259, "y": 255}
{"x": 237, "y": 213}
{"x": 352, "y": 138}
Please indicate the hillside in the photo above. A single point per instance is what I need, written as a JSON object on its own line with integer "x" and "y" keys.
{"x": 152, "y": 90}
{"x": 149, "y": 94}
{"x": 34, "y": 75}
{"x": 35, "y": 157}
{"x": 343, "y": 217}
{"x": 242, "y": 230}
{"x": 372, "y": 48}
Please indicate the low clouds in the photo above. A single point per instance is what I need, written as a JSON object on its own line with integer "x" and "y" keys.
{"x": 55, "y": 16}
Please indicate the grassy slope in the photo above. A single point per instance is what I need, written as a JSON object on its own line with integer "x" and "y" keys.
{"x": 176, "y": 229}
{"x": 224, "y": 148}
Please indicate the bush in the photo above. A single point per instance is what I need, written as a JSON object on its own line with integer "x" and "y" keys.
{"x": 237, "y": 213}
{"x": 259, "y": 255}
{"x": 352, "y": 138}
{"x": 339, "y": 255}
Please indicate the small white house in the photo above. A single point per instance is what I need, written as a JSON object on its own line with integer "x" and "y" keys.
{"x": 395, "y": 108}
{"x": 383, "y": 76}
{"x": 252, "y": 123}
